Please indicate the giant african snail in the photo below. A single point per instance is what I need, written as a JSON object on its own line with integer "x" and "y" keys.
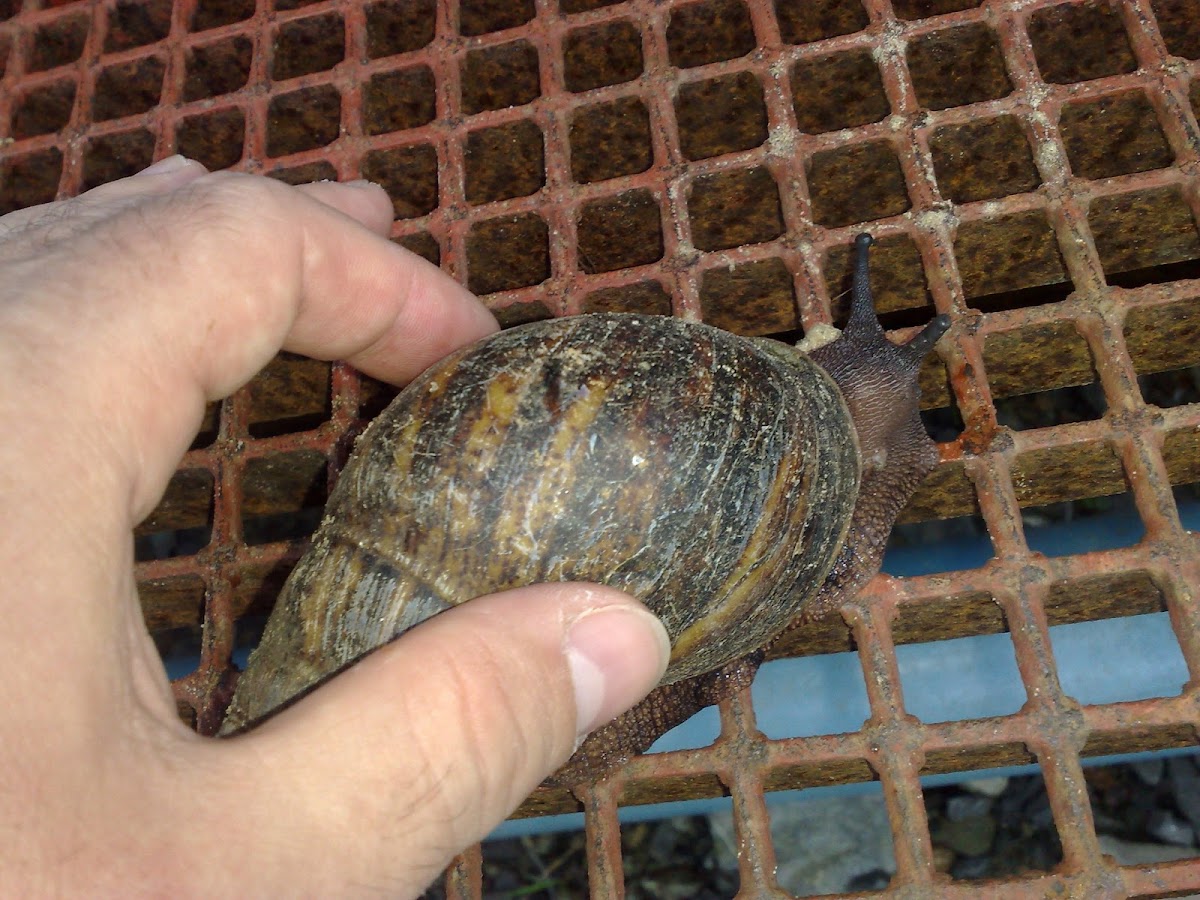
{"x": 731, "y": 484}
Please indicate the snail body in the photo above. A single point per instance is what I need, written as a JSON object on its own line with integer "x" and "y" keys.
{"x": 719, "y": 479}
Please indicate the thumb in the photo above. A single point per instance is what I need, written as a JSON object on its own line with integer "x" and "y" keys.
{"x": 427, "y": 744}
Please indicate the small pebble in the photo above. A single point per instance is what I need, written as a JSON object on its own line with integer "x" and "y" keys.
{"x": 1170, "y": 829}
{"x": 943, "y": 859}
{"x": 969, "y": 837}
{"x": 1185, "y": 786}
{"x": 968, "y": 806}
{"x": 1150, "y": 771}
{"x": 1132, "y": 853}
{"x": 969, "y": 868}
{"x": 987, "y": 787}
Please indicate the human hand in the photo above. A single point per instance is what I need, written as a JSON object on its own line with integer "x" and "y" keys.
{"x": 122, "y": 313}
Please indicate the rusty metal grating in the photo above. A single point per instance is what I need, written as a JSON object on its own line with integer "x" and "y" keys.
{"x": 1031, "y": 167}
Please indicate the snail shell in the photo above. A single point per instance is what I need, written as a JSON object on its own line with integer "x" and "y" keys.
{"x": 711, "y": 476}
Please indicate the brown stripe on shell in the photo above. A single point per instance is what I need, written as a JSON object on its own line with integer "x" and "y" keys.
{"x": 710, "y": 477}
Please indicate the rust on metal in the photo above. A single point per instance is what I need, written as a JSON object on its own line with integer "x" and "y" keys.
{"x": 1029, "y": 167}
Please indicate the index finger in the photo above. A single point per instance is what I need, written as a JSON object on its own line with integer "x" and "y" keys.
{"x": 182, "y": 299}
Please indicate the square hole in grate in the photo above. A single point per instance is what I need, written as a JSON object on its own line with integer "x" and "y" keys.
{"x": 44, "y": 110}
{"x": 305, "y": 174}
{"x": 1113, "y": 136}
{"x": 112, "y": 156}
{"x": 304, "y": 46}
{"x": 902, "y": 296}
{"x": 1111, "y": 596}
{"x": 505, "y": 162}
{"x": 681, "y": 852}
{"x": 922, "y": 544}
{"x": 1046, "y": 409}
{"x": 1042, "y": 375}
{"x": 609, "y": 140}
{"x": 135, "y": 24}
{"x": 729, "y": 209}
{"x": 485, "y": 16}
{"x": 783, "y": 688}
{"x": 215, "y": 13}
{"x": 825, "y": 843}
{"x": 646, "y": 297}
{"x": 1181, "y": 454}
{"x": 423, "y": 244}
{"x": 980, "y": 834}
{"x": 1080, "y": 41}
{"x": 601, "y": 55}
{"x": 1012, "y": 261}
{"x": 181, "y": 524}
{"x": 283, "y": 496}
{"x": 962, "y": 678}
{"x": 179, "y": 646}
{"x": 983, "y": 160}
{"x": 1143, "y": 235}
{"x": 214, "y": 139}
{"x": 1083, "y": 526}
{"x": 1179, "y": 23}
{"x": 303, "y": 120}
{"x": 1169, "y": 389}
{"x": 839, "y": 91}
{"x": 722, "y": 115}
{"x": 1082, "y": 470}
{"x": 511, "y": 865}
{"x": 207, "y": 432}
{"x": 1119, "y": 660}
{"x": 971, "y": 614}
{"x": 128, "y": 88}
{"x": 750, "y": 298}
{"x": 1164, "y": 343}
{"x": 400, "y": 26}
{"x": 856, "y": 183}
{"x": 708, "y": 32}
{"x": 398, "y": 100}
{"x": 499, "y": 77}
{"x": 374, "y": 396}
{"x": 1146, "y": 812}
{"x": 922, "y": 9}
{"x": 620, "y": 232}
{"x": 58, "y": 42}
{"x": 815, "y": 20}
{"x": 219, "y": 68}
{"x": 290, "y": 394}
{"x": 958, "y": 66}
{"x": 172, "y": 607}
{"x": 409, "y": 175}
{"x": 507, "y": 253}
{"x": 521, "y": 312}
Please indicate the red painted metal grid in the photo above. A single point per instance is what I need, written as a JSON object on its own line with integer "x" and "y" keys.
{"x": 892, "y": 747}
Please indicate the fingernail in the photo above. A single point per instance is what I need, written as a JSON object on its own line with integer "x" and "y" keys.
{"x": 165, "y": 166}
{"x": 361, "y": 183}
{"x": 616, "y": 654}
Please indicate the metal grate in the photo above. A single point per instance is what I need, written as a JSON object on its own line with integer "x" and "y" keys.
{"x": 1031, "y": 167}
